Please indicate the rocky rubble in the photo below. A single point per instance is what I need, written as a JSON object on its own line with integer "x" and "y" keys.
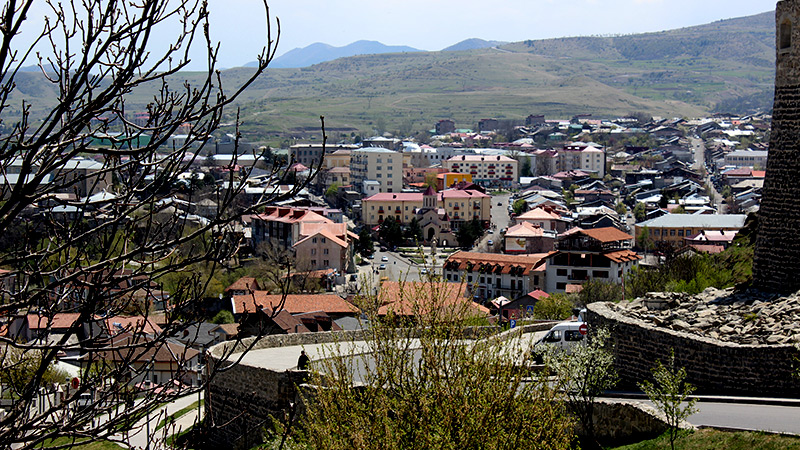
{"x": 747, "y": 317}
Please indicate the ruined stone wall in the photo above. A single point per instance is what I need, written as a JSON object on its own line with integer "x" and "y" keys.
{"x": 715, "y": 367}
{"x": 242, "y": 400}
{"x": 777, "y": 254}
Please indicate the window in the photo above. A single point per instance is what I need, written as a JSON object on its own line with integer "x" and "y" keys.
{"x": 785, "y": 35}
{"x": 389, "y": 175}
{"x": 313, "y": 251}
{"x": 561, "y": 286}
{"x": 672, "y": 232}
{"x": 313, "y": 240}
{"x": 553, "y": 336}
{"x": 572, "y": 335}
{"x": 600, "y": 274}
{"x": 324, "y": 240}
{"x": 313, "y": 263}
{"x": 326, "y": 263}
{"x": 561, "y": 272}
{"x": 680, "y": 232}
{"x": 536, "y": 280}
{"x": 469, "y": 278}
{"x": 324, "y": 251}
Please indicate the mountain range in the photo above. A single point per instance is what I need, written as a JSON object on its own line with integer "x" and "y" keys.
{"x": 726, "y": 66}
{"x": 319, "y": 52}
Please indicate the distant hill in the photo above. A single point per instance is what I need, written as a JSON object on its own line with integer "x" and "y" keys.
{"x": 726, "y": 65}
{"x": 319, "y": 52}
{"x": 473, "y": 44}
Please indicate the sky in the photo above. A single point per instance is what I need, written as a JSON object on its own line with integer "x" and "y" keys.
{"x": 436, "y": 24}
{"x": 240, "y": 25}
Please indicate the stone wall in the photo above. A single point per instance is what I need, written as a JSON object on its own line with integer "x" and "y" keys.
{"x": 714, "y": 366}
{"x": 777, "y": 254}
{"x": 618, "y": 422}
{"x": 241, "y": 400}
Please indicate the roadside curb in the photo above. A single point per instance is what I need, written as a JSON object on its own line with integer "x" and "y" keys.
{"x": 793, "y": 402}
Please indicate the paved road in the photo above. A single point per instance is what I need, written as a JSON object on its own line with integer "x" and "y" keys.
{"x": 781, "y": 419}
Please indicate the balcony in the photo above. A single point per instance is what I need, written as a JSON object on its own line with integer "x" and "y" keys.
{"x": 456, "y": 208}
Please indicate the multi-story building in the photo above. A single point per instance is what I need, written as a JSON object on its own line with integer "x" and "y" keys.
{"x": 377, "y": 164}
{"x": 582, "y": 157}
{"x": 582, "y": 255}
{"x": 747, "y": 158}
{"x": 309, "y": 154}
{"x": 458, "y": 206}
{"x": 445, "y": 126}
{"x": 280, "y": 227}
{"x": 491, "y": 275}
{"x": 674, "y": 228}
{"x": 499, "y": 171}
{"x": 339, "y": 158}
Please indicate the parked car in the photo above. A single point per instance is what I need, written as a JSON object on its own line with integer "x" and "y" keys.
{"x": 384, "y": 258}
{"x": 563, "y": 336}
{"x": 423, "y": 271}
{"x": 382, "y": 266}
{"x": 490, "y": 231}
{"x": 490, "y": 242}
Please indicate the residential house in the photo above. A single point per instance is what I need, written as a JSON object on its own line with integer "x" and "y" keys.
{"x": 581, "y": 255}
{"x": 324, "y": 246}
{"x": 445, "y": 126}
{"x": 410, "y": 298}
{"x": 545, "y": 217}
{"x": 491, "y": 275}
{"x": 673, "y": 228}
{"x": 310, "y": 155}
{"x": 526, "y": 237}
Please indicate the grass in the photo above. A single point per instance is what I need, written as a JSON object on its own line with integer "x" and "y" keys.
{"x": 97, "y": 445}
{"x": 178, "y": 414}
{"x": 709, "y": 439}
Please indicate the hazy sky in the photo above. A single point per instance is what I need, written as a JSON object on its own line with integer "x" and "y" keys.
{"x": 435, "y": 24}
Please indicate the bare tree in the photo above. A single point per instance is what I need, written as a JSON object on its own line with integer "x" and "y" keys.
{"x": 90, "y": 231}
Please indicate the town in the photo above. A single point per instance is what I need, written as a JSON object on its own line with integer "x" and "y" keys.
{"x": 171, "y": 279}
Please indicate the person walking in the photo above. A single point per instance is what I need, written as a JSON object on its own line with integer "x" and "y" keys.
{"x": 302, "y": 361}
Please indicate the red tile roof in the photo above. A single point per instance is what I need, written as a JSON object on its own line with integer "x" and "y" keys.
{"x": 622, "y": 256}
{"x": 501, "y": 263}
{"x": 295, "y": 303}
{"x": 244, "y": 284}
{"x": 413, "y": 297}
{"x": 607, "y": 234}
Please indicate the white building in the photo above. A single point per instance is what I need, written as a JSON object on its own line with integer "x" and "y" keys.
{"x": 747, "y": 158}
{"x": 490, "y": 170}
{"x": 377, "y": 164}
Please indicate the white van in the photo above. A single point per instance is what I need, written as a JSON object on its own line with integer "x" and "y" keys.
{"x": 562, "y": 336}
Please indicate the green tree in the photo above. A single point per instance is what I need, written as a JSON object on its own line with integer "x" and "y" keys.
{"x": 670, "y": 394}
{"x": 469, "y": 232}
{"x": 558, "y": 306}
{"x": 391, "y": 232}
{"x": 413, "y": 232}
{"x": 332, "y": 191}
{"x": 525, "y": 171}
{"x": 644, "y": 240}
{"x": 18, "y": 368}
{"x": 223, "y": 317}
{"x": 430, "y": 180}
{"x": 621, "y": 209}
{"x": 583, "y": 374}
{"x": 364, "y": 244}
{"x": 519, "y": 206}
{"x": 430, "y": 386}
{"x": 599, "y": 291}
{"x": 639, "y": 212}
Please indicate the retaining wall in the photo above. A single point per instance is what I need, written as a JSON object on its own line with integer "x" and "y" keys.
{"x": 713, "y": 366}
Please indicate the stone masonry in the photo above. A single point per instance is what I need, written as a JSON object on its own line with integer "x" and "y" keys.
{"x": 640, "y": 337}
{"x": 777, "y": 255}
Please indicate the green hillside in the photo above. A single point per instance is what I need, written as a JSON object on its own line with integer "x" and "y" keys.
{"x": 687, "y": 72}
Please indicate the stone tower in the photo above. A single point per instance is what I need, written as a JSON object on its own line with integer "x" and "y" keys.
{"x": 776, "y": 266}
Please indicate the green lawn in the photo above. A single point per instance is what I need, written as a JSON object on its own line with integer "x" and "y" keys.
{"x": 714, "y": 440}
{"x": 98, "y": 445}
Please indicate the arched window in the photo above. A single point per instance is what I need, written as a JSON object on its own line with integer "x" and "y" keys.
{"x": 785, "y": 36}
